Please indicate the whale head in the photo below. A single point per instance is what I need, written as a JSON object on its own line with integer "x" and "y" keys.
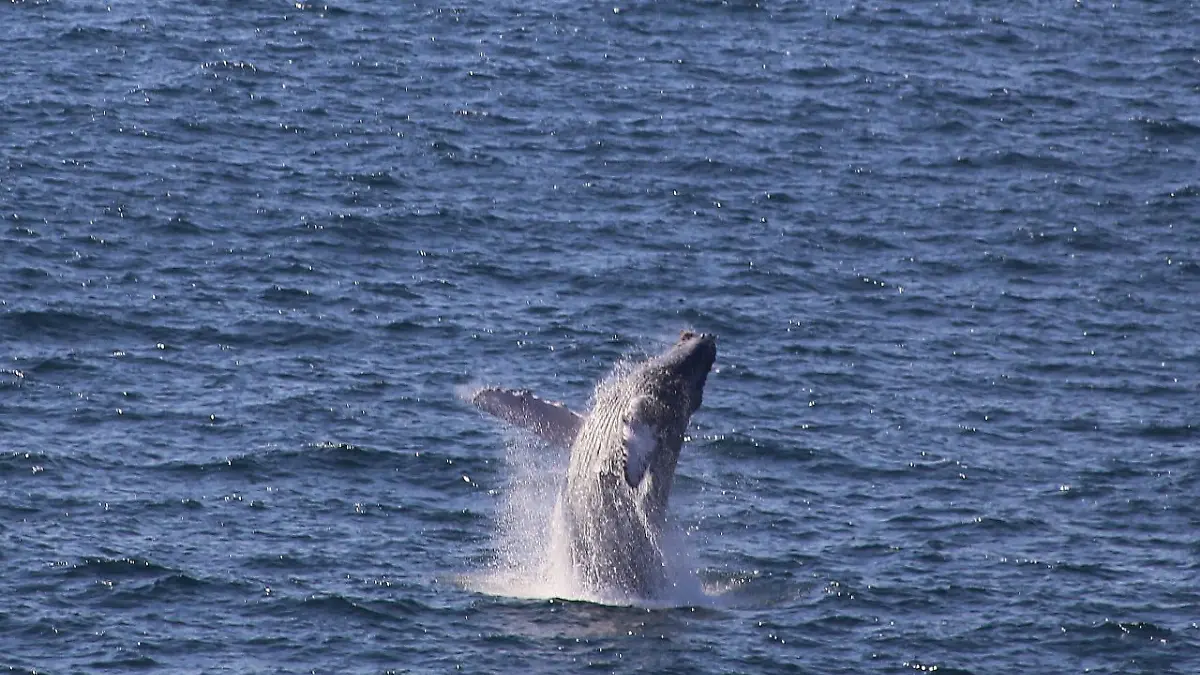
{"x": 679, "y": 373}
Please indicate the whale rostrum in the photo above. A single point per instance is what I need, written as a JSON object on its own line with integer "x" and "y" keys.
{"x": 611, "y": 511}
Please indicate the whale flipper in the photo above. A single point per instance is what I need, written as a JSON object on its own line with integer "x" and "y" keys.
{"x": 640, "y": 442}
{"x": 553, "y": 422}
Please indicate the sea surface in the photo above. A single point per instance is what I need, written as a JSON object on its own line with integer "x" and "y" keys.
{"x": 253, "y": 254}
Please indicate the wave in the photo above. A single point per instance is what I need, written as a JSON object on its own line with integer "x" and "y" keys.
{"x": 341, "y": 607}
{"x": 313, "y": 456}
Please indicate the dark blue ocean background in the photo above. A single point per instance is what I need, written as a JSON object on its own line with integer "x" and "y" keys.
{"x": 251, "y": 254}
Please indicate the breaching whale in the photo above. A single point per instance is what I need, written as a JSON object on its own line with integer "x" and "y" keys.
{"x": 611, "y": 510}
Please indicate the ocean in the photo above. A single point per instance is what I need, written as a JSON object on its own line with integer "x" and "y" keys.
{"x": 253, "y": 254}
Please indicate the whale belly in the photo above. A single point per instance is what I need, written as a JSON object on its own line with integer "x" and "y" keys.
{"x": 613, "y": 547}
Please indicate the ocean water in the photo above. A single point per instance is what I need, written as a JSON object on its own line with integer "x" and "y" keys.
{"x": 252, "y": 253}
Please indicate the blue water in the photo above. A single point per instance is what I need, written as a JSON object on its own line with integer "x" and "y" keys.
{"x": 252, "y": 253}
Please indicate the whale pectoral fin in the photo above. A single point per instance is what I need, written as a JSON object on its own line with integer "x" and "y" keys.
{"x": 639, "y": 448}
{"x": 550, "y": 421}
{"x": 640, "y": 442}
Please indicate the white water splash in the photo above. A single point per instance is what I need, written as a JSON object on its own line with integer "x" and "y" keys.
{"x": 532, "y": 557}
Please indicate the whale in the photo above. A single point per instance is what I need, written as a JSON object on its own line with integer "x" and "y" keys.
{"x": 610, "y": 517}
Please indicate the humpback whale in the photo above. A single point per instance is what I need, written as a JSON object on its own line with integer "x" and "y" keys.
{"x": 611, "y": 512}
